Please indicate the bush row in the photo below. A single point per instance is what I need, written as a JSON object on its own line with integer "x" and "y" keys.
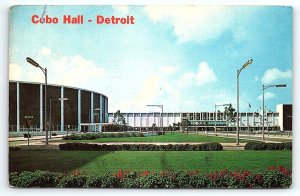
{"x": 214, "y": 146}
{"x": 278, "y": 178}
{"x": 268, "y": 146}
{"x": 93, "y": 136}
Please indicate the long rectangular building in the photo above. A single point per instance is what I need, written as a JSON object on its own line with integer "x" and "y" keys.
{"x": 207, "y": 120}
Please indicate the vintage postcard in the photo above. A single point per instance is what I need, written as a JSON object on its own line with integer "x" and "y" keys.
{"x": 150, "y": 96}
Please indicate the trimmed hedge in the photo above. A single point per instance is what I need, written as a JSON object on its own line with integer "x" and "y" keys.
{"x": 268, "y": 146}
{"x": 214, "y": 146}
{"x": 93, "y": 136}
{"x": 26, "y": 135}
{"x": 274, "y": 177}
{"x": 14, "y": 148}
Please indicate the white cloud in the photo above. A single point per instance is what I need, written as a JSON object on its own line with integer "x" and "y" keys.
{"x": 275, "y": 74}
{"x": 199, "y": 23}
{"x": 121, "y": 9}
{"x": 256, "y": 78}
{"x": 168, "y": 69}
{"x": 205, "y": 74}
{"x": 45, "y": 51}
{"x": 75, "y": 71}
{"x": 15, "y": 72}
{"x": 268, "y": 95}
{"x": 67, "y": 70}
{"x": 147, "y": 94}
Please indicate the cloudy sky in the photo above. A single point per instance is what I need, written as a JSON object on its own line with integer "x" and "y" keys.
{"x": 184, "y": 57}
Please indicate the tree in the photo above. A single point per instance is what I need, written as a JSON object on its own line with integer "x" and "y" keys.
{"x": 153, "y": 126}
{"x": 119, "y": 120}
{"x": 185, "y": 124}
{"x": 229, "y": 116}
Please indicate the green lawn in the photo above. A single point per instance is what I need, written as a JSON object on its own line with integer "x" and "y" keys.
{"x": 101, "y": 162}
{"x": 175, "y": 137}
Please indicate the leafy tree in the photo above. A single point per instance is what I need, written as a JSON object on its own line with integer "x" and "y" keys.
{"x": 153, "y": 126}
{"x": 229, "y": 115}
{"x": 118, "y": 119}
{"x": 185, "y": 124}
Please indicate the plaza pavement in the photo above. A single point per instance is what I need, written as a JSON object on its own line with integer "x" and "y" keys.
{"x": 39, "y": 141}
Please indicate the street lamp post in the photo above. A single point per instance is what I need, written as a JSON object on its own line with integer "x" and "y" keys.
{"x": 237, "y": 100}
{"x": 54, "y": 99}
{"x": 44, "y": 70}
{"x": 216, "y": 105}
{"x": 161, "y": 116}
{"x": 264, "y": 87}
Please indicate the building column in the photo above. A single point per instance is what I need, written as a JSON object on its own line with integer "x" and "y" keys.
{"x": 141, "y": 121}
{"x": 168, "y": 120}
{"x": 18, "y": 107}
{"x": 106, "y": 110}
{"x": 101, "y": 110}
{"x": 147, "y": 120}
{"x": 62, "y": 114}
{"x": 79, "y": 110}
{"x": 134, "y": 120}
{"x": 92, "y": 108}
{"x": 41, "y": 108}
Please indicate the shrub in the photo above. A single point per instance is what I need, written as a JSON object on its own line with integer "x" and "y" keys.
{"x": 268, "y": 146}
{"x": 288, "y": 145}
{"x": 274, "y": 177}
{"x": 275, "y": 146}
{"x": 214, "y": 146}
{"x": 26, "y": 135}
{"x": 13, "y": 148}
{"x": 255, "y": 146}
{"x": 35, "y": 179}
{"x": 72, "y": 182}
{"x": 106, "y": 181}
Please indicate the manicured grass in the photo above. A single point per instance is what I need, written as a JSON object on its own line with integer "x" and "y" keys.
{"x": 102, "y": 162}
{"x": 175, "y": 137}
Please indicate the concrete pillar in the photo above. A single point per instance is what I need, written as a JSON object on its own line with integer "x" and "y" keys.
{"x": 141, "y": 121}
{"x": 18, "y": 106}
{"x": 79, "y": 110}
{"x": 41, "y": 107}
{"x": 62, "y": 114}
{"x": 101, "y": 109}
{"x": 92, "y": 108}
{"x": 167, "y": 119}
{"x": 133, "y": 120}
{"x": 147, "y": 120}
{"x": 106, "y": 110}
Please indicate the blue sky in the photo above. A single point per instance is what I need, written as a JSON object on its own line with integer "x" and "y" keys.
{"x": 184, "y": 57}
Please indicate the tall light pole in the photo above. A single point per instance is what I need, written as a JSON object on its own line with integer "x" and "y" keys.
{"x": 44, "y": 70}
{"x": 216, "y": 105}
{"x": 161, "y": 116}
{"x": 54, "y": 99}
{"x": 263, "y": 104}
{"x": 238, "y": 100}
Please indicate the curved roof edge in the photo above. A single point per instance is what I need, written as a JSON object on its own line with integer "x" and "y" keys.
{"x": 57, "y": 85}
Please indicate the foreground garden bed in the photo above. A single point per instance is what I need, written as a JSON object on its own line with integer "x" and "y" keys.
{"x": 273, "y": 177}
